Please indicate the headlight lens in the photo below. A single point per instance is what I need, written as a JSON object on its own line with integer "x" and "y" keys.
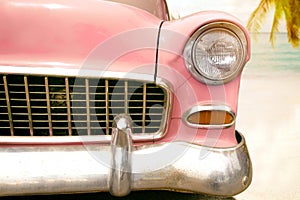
{"x": 216, "y": 53}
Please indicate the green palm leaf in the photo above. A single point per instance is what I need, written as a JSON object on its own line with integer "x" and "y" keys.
{"x": 287, "y": 9}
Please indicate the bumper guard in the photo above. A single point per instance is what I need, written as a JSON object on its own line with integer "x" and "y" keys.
{"x": 178, "y": 166}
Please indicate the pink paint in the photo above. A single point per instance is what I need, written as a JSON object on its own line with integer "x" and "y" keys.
{"x": 62, "y": 34}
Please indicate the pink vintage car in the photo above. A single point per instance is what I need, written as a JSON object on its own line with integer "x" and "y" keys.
{"x": 115, "y": 96}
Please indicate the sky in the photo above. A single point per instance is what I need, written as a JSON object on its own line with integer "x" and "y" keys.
{"x": 241, "y": 9}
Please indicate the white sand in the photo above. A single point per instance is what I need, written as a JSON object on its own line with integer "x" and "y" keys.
{"x": 269, "y": 118}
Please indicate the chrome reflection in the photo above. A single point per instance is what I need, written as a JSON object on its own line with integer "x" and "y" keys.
{"x": 121, "y": 147}
{"x": 71, "y": 169}
{"x": 60, "y": 71}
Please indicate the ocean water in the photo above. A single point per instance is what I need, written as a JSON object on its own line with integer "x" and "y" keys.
{"x": 281, "y": 57}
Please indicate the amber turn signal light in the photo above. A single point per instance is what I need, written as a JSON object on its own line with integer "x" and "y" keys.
{"x": 211, "y": 117}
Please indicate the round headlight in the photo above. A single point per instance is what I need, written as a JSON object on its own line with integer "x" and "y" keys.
{"x": 216, "y": 53}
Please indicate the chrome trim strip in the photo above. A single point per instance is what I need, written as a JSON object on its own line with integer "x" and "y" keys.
{"x": 144, "y": 107}
{"x": 48, "y": 106}
{"x": 48, "y": 71}
{"x": 107, "y": 106}
{"x": 28, "y": 105}
{"x": 87, "y": 104}
{"x": 189, "y": 48}
{"x": 72, "y": 169}
{"x": 166, "y": 113}
{"x": 126, "y": 97}
{"x": 68, "y": 106}
{"x": 210, "y": 107}
{"x": 36, "y": 140}
{"x": 11, "y": 125}
{"x": 61, "y": 71}
{"x": 60, "y": 140}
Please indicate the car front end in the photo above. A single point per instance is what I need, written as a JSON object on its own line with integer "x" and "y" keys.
{"x": 95, "y": 101}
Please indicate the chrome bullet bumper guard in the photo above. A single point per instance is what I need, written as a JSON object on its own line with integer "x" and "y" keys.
{"x": 120, "y": 168}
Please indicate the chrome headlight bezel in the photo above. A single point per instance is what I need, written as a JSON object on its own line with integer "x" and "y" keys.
{"x": 189, "y": 51}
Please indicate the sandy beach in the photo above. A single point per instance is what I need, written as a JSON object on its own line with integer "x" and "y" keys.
{"x": 269, "y": 117}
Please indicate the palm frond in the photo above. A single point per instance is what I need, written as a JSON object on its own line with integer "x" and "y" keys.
{"x": 289, "y": 9}
{"x": 279, "y": 7}
{"x": 258, "y": 16}
{"x": 292, "y": 14}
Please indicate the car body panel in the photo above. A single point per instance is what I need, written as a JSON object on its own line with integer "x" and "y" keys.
{"x": 64, "y": 34}
{"x": 113, "y": 40}
{"x": 38, "y": 47}
{"x": 187, "y": 90}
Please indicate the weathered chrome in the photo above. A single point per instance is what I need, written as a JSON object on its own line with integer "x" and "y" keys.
{"x": 47, "y": 69}
{"x": 87, "y": 103}
{"x": 68, "y": 169}
{"x": 121, "y": 147}
{"x": 6, "y": 91}
{"x": 68, "y": 102}
{"x": 61, "y": 69}
{"x": 28, "y": 105}
{"x": 126, "y": 97}
{"x": 60, "y": 116}
{"x": 210, "y": 107}
{"x": 144, "y": 106}
{"x": 107, "y": 106}
{"x": 48, "y": 106}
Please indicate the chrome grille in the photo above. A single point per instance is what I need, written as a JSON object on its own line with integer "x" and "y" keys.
{"x": 68, "y": 106}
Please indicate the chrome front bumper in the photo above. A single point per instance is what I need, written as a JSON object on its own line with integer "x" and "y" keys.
{"x": 120, "y": 168}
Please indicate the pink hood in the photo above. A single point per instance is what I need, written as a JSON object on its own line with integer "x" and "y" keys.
{"x": 43, "y": 32}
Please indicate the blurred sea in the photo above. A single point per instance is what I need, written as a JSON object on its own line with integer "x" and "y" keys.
{"x": 281, "y": 58}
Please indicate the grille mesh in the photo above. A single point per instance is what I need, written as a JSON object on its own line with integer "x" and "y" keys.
{"x": 69, "y": 106}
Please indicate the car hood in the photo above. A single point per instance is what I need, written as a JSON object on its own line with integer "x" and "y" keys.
{"x": 76, "y": 33}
